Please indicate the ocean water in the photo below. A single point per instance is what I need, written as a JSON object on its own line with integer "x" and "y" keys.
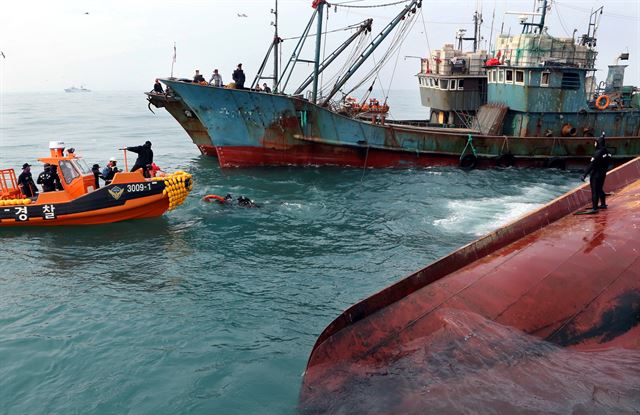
{"x": 213, "y": 309}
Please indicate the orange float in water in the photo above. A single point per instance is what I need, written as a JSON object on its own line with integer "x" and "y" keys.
{"x": 129, "y": 195}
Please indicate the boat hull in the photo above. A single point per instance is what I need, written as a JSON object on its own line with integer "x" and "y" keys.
{"x": 119, "y": 201}
{"x": 259, "y": 129}
{"x": 187, "y": 119}
{"x": 570, "y": 280}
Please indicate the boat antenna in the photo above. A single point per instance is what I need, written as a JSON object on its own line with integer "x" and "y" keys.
{"x": 410, "y": 8}
{"x": 273, "y": 47}
{"x": 173, "y": 59}
{"x": 589, "y": 39}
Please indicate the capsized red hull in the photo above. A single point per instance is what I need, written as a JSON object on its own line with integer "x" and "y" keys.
{"x": 571, "y": 281}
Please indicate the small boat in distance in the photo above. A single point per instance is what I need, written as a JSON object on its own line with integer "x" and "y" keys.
{"x": 74, "y": 89}
{"x": 129, "y": 195}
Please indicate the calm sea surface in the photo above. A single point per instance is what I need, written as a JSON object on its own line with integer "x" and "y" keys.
{"x": 213, "y": 309}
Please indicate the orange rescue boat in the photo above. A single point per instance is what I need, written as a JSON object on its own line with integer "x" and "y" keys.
{"x": 129, "y": 195}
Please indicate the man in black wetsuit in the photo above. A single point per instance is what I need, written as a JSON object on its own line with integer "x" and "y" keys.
{"x": 145, "y": 157}
{"x": 53, "y": 170}
{"x": 97, "y": 175}
{"x": 46, "y": 179}
{"x": 238, "y": 77}
{"x": 25, "y": 182}
{"x": 597, "y": 172}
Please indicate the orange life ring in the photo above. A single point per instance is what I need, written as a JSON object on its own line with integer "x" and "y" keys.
{"x": 214, "y": 198}
{"x": 600, "y": 105}
{"x": 203, "y": 83}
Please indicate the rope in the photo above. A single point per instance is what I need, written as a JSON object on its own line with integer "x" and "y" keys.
{"x": 364, "y": 167}
{"x": 469, "y": 143}
{"x": 505, "y": 141}
{"x": 368, "y": 6}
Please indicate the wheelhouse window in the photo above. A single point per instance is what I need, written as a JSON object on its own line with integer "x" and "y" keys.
{"x": 460, "y": 84}
{"x": 81, "y": 166}
{"x": 444, "y": 84}
{"x": 509, "y": 76}
{"x": 500, "y": 75}
{"x": 68, "y": 171}
{"x": 520, "y": 77}
{"x": 453, "y": 85}
{"x": 436, "y": 82}
{"x": 544, "y": 80}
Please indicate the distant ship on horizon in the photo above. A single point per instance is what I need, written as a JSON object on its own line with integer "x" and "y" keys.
{"x": 74, "y": 89}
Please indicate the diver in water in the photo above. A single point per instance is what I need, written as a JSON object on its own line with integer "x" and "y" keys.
{"x": 228, "y": 200}
{"x": 246, "y": 202}
{"x": 597, "y": 172}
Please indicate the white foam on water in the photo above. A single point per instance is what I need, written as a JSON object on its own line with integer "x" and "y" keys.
{"x": 481, "y": 216}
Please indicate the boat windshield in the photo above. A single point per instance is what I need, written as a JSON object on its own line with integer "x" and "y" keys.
{"x": 81, "y": 166}
{"x": 69, "y": 172}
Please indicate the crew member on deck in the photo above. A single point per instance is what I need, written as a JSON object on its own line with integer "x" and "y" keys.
{"x": 216, "y": 79}
{"x": 25, "y": 182}
{"x": 265, "y": 88}
{"x": 56, "y": 178}
{"x": 238, "y": 77}
{"x": 157, "y": 87}
{"x": 197, "y": 78}
{"x": 46, "y": 179}
{"x": 597, "y": 172}
{"x": 95, "y": 169}
{"x": 109, "y": 171}
{"x": 145, "y": 157}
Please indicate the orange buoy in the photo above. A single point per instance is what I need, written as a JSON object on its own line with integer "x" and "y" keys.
{"x": 602, "y": 102}
{"x": 214, "y": 198}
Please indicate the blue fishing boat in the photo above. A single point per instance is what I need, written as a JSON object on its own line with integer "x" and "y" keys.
{"x": 542, "y": 109}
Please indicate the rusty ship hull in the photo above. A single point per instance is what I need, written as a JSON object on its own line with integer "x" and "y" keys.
{"x": 261, "y": 129}
{"x": 187, "y": 119}
{"x": 569, "y": 282}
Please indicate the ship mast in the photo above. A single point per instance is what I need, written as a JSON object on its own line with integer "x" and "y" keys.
{"x": 319, "y": 4}
{"x": 276, "y": 42}
{"x": 273, "y": 47}
{"x": 411, "y": 7}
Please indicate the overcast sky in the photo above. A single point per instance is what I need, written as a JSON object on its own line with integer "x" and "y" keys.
{"x": 123, "y": 45}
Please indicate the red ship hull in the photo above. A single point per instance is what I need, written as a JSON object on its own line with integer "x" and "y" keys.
{"x": 572, "y": 281}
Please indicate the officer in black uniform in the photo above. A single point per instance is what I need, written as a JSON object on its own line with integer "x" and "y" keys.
{"x": 46, "y": 179}
{"x": 145, "y": 157}
{"x": 597, "y": 172}
{"x": 25, "y": 181}
{"x": 97, "y": 175}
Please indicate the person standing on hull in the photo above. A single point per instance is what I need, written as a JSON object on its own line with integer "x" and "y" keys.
{"x": 238, "y": 77}
{"x": 597, "y": 172}
{"x": 145, "y": 157}
{"x": 25, "y": 182}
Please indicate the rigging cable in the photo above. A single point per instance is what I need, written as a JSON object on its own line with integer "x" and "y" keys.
{"x": 368, "y": 6}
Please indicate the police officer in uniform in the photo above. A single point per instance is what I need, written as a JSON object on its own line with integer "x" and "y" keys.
{"x": 46, "y": 179}
{"x": 145, "y": 157}
{"x": 597, "y": 172}
{"x": 25, "y": 181}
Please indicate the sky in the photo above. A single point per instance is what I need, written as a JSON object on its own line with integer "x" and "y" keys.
{"x": 123, "y": 45}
